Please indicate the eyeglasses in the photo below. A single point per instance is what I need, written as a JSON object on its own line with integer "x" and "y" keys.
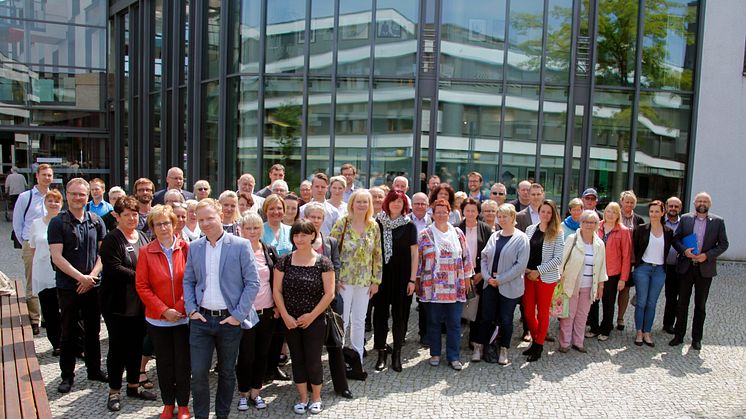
{"x": 590, "y": 198}
{"x": 498, "y": 193}
{"x": 590, "y": 223}
{"x": 203, "y": 189}
{"x": 178, "y": 205}
{"x": 163, "y": 224}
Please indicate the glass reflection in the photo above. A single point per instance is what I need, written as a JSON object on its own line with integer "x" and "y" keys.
{"x": 525, "y": 36}
{"x": 617, "y": 34}
{"x": 286, "y": 25}
{"x": 354, "y": 37}
{"x": 322, "y": 37}
{"x": 351, "y": 124}
{"x": 158, "y": 46}
{"x": 86, "y": 12}
{"x": 319, "y": 125}
{"x": 669, "y": 47}
{"x": 282, "y": 126}
{"x": 559, "y": 37}
{"x": 81, "y": 156}
{"x": 208, "y": 143}
{"x": 662, "y": 138}
{"x": 392, "y": 126}
{"x": 243, "y": 122}
{"x": 396, "y": 38}
{"x": 245, "y": 21}
{"x": 612, "y": 118}
{"x": 211, "y": 40}
{"x": 520, "y": 133}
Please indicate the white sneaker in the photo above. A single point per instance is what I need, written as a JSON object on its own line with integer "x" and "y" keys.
{"x": 243, "y": 404}
{"x": 315, "y": 407}
{"x": 476, "y": 356}
{"x": 502, "y": 359}
{"x": 300, "y": 408}
{"x": 456, "y": 365}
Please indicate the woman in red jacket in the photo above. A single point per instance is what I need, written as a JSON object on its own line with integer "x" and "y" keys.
{"x": 159, "y": 279}
{"x": 618, "y": 241}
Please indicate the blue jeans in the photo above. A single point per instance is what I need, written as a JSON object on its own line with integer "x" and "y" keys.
{"x": 450, "y": 314}
{"x": 497, "y": 310}
{"x": 649, "y": 281}
{"x": 204, "y": 338}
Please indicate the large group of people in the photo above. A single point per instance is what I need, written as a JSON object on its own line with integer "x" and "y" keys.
{"x": 262, "y": 277}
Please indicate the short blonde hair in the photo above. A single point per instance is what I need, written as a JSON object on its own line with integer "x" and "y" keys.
{"x": 613, "y": 206}
{"x": 211, "y": 203}
{"x": 173, "y": 192}
{"x": 271, "y": 200}
{"x": 574, "y": 203}
{"x": 314, "y": 206}
{"x": 490, "y": 203}
{"x": 506, "y": 209}
{"x": 191, "y": 204}
{"x": 250, "y": 218}
{"x": 227, "y": 194}
{"x": 351, "y": 202}
{"x": 340, "y": 179}
{"x": 161, "y": 211}
{"x": 628, "y": 194}
{"x": 459, "y": 195}
{"x": 78, "y": 181}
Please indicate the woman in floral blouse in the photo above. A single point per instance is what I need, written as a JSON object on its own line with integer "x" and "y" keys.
{"x": 359, "y": 241}
{"x": 443, "y": 279}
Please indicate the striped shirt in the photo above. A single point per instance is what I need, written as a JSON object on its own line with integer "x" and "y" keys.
{"x": 587, "y": 273}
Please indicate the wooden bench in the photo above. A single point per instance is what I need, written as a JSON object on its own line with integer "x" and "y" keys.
{"x": 22, "y": 392}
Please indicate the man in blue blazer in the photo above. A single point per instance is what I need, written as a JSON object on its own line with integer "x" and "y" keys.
{"x": 697, "y": 267}
{"x": 220, "y": 284}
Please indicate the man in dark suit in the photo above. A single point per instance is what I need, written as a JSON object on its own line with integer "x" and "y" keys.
{"x": 697, "y": 266}
{"x": 530, "y": 214}
{"x": 522, "y": 200}
{"x": 174, "y": 180}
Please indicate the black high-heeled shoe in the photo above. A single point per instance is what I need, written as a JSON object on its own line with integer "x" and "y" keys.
{"x": 396, "y": 360}
{"x": 530, "y": 349}
{"x": 536, "y": 354}
{"x": 381, "y": 363}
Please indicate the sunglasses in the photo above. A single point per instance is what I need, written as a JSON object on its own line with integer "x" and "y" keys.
{"x": 498, "y": 193}
{"x": 203, "y": 189}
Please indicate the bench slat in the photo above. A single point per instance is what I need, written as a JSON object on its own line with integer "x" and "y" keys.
{"x": 39, "y": 397}
{"x": 25, "y": 391}
{"x": 3, "y": 301}
{"x": 10, "y": 387}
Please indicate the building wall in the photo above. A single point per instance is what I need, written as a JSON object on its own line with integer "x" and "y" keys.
{"x": 721, "y": 124}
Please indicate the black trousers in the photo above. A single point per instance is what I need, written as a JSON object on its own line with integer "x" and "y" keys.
{"x": 253, "y": 353}
{"x": 422, "y": 321}
{"x": 692, "y": 279}
{"x": 275, "y": 347}
{"x": 475, "y": 326}
{"x": 125, "y": 348}
{"x": 608, "y": 301}
{"x": 50, "y": 309}
{"x": 87, "y": 304}
{"x": 305, "y": 349}
{"x": 391, "y": 296}
{"x": 337, "y": 366}
{"x": 172, "y": 362}
{"x": 672, "y": 297}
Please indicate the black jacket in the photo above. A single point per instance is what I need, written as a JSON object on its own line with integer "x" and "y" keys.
{"x": 117, "y": 294}
{"x": 641, "y": 238}
{"x": 714, "y": 244}
{"x": 270, "y": 255}
{"x": 483, "y": 235}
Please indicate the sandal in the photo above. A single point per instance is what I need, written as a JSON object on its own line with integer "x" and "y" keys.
{"x": 114, "y": 403}
{"x": 146, "y": 383}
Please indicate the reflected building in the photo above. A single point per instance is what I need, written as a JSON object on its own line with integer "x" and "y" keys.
{"x": 570, "y": 93}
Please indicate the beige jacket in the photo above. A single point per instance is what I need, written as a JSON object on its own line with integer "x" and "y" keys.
{"x": 573, "y": 259}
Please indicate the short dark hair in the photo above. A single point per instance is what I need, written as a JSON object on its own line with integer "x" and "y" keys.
{"x": 126, "y": 202}
{"x": 247, "y": 197}
{"x": 321, "y": 176}
{"x": 471, "y": 201}
{"x": 276, "y": 166}
{"x": 303, "y": 226}
{"x": 393, "y": 196}
{"x": 659, "y": 204}
{"x": 348, "y": 166}
{"x": 477, "y": 174}
{"x": 448, "y": 188}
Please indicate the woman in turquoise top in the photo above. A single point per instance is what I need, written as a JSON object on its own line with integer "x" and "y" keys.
{"x": 276, "y": 233}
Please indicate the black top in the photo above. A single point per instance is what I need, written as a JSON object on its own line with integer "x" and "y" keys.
{"x": 484, "y": 232}
{"x": 641, "y": 239}
{"x": 302, "y": 286}
{"x": 536, "y": 244}
{"x": 499, "y": 244}
{"x": 119, "y": 260}
{"x": 79, "y": 240}
{"x": 397, "y": 272}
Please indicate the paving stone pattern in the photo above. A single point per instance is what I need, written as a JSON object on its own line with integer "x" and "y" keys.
{"x": 614, "y": 379}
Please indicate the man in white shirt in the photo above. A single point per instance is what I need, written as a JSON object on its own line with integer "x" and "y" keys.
{"x": 319, "y": 188}
{"x": 276, "y": 172}
{"x": 246, "y": 184}
{"x": 419, "y": 215}
{"x": 350, "y": 173}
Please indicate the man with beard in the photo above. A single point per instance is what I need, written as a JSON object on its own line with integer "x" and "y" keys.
{"x": 697, "y": 264}
{"x": 144, "y": 188}
{"x": 672, "y": 221}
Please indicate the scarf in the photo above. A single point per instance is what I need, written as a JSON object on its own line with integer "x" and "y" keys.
{"x": 447, "y": 241}
{"x": 571, "y": 224}
{"x": 389, "y": 225}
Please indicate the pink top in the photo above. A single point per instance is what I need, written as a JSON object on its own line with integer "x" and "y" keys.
{"x": 264, "y": 296}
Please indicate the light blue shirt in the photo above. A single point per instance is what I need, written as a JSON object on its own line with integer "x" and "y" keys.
{"x": 21, "y": 224}
{"x": 101, "y": 209}
{"x": 282, "y": 242}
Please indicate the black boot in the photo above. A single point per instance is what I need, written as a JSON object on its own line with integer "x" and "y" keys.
{"x": 396, "y": 360}
{"x": 536, "y": 354}
{"x": 381, "y": 363}
{"x": 530, "y": 349}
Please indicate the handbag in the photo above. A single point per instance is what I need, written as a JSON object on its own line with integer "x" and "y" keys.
{"x": 471, "y": 308}
{"x": 334, "y": 327}
{"x": 560, "y": 307}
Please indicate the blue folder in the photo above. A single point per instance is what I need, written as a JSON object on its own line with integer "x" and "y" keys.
{"x": 690, "y": 242}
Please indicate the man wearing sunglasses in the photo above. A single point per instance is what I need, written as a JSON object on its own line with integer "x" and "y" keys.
{"x": 498, "y": 193}
{"x": 590, "y": 201}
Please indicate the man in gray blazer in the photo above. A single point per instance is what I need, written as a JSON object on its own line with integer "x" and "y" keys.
{"x": 530, "y": 214}
{"x": 697, "y": 266}
{"x": 220, "y": 284}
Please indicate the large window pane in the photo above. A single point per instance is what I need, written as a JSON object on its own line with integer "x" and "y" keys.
{"x": 286, "y": 25}
{"x": 663, "y": 125}
{"x": 283, "y": 105}
{"x": 559, "y": 37}
{"x": 211, "y": 40}
{"x": 87, "y": 12}
{"x": 322, "y": 36}
{"x": 81, "y": 156}
{"x": 521, "y": 131}
{"x": 473, "y": 39}
{"x": 319, "y": 125}
{"x": 617, "y": 35}
{"x": 525, "y": 37}
{"x": 612, "y": 118}
{"x": 243, "y": 122}
{"x": 158, "y": 46}
{"x": 396, "y": 37}
{"x": 669, "y": 45}
{"x": 393, "y": 124}
{"x": 208, "y": 143}
{"x": 156, "y": 101}
{"x": 354, "y": 37}
{"x": 553, "y": 141}
{"x": 245, "y": 21}
{"x": 468, "y": 132}
{"x": 351, "y": 125}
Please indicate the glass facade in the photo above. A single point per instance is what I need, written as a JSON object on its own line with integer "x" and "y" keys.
{"x": 569, "y": 93}
{"x": 53, "y": 87}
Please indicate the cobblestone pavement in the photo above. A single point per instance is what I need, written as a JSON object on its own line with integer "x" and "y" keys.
{"x": 614, "y": 379}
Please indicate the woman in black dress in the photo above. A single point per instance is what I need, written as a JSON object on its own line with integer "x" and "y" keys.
{"x": 303, "y": 289}
{"x": 399, "y": 243}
